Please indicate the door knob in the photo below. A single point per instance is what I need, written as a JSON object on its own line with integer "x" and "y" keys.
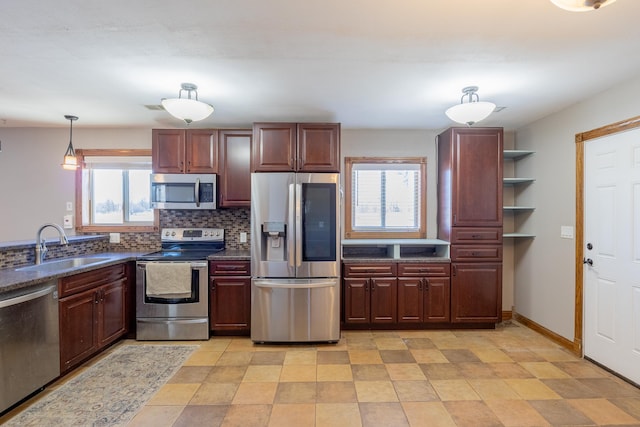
{"x": 589, "y": 246}
{"x": 588, "y": 261}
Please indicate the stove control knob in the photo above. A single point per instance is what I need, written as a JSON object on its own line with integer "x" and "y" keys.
{"x": 173, "y": 233}
{"x": 166, "y": 233}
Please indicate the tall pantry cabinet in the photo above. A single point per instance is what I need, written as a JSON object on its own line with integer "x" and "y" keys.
{"x": 470, "y": 218}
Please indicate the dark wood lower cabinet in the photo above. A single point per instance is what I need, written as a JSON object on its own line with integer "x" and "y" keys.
{"x": 423, "y": 293}
{"x": 230, "y": 297}
{"x": 418, "y": 294}
{"x": 384, "y": 299}
{"x": 356, "y": 301}
{"x": 476, "y": 292}
{"x": 423, "y": 300}
{"x": 78, "y": 328}
{"x": 92, "y": 313}
{"x": 370, "y": 300}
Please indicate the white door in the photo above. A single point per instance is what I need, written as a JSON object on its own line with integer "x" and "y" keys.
{"x": 612, "y": 253}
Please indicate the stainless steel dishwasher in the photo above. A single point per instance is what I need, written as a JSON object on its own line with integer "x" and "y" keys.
{"x": 29, "y": 341}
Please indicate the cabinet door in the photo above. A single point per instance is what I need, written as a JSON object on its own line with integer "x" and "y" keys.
{"x": 230, "y": 303}
{"x": 167, "y": 150}
{"x": 477, "y": 177}
{"x": 410, "y": 300}
{"x": 235, "y": 167}
{"x": 357, "y": 303}
{"x": 318, "y": 147}
{"x": 202, "y": 151}
{"x": 476, "y": 292}
{"x": 111, "y": 316}
{"x": 384, "y": 300}
{"x": 274, "y": 147}
{"x": 78, "y": 328}
{"x": 436, "y": 299}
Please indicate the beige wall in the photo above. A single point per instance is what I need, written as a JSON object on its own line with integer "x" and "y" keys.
{"x": 544, "y": 267}
{"x": 34, "y": 187}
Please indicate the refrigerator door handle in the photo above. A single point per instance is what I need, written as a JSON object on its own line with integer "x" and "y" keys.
{"x": 291, "y": 239}
{"x": 294, "y": 285}
{"x": 298, "y": 225}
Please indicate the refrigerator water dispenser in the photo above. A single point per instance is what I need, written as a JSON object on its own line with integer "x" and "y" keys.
{"x": 273, "y": 241}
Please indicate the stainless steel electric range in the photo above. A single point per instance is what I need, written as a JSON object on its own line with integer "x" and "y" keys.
{"x": 172, "y": 293}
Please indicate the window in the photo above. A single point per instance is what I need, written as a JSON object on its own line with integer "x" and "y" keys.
{"x": 112, "y": 191}
{"x": 385, "y": 197}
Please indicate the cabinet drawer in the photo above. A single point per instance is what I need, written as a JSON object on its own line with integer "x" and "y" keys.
{"x": 421, "y": 270}
{"x": 91, "y": 279}
{"x": 230, "y": 268}
{"x": 476, "y": 235}
{"x": 476, "y": 253}
{"x": 369, "y": 270}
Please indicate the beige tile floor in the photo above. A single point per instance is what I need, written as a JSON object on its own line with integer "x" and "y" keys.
{"x": 510, "y": 376}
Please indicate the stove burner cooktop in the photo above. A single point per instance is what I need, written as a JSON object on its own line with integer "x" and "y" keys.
{"x": 187, "y": 244}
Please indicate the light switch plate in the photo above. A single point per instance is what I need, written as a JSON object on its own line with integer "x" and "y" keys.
{"x": 243, "y": 237}
{"x": 69, "y": 206}
{"x": 566, "y": 232}
{"x": 114, "y": 237}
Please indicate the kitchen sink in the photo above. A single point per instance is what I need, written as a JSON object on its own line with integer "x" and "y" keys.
{"x": 64, "y": 264}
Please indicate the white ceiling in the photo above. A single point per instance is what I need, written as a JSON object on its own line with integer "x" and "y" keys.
{"x": 364, "y": 63}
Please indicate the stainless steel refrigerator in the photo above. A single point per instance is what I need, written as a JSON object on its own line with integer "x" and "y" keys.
{"x": 295, "y": 257}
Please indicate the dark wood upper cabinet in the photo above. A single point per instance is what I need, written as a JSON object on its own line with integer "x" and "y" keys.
{"x": 202, "y": 151}
{"x": 318, "y": 147}
{"x": 234, "y": 147}
{"x": 167, "y": 150}
{"x": 184, "y": 151}
{"x": 469, "y": 179}
{"x": 274, "y": 147}
{"x": 288, "y": 147}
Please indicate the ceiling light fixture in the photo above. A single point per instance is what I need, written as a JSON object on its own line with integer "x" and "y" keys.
{"x": 473, "y": 110}
{"x": 187, "y": 109}
{"x": 581, "y": 5}
{"x": 70, "y": 161}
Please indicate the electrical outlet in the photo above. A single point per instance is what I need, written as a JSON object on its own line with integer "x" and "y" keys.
{"x": 243, "y": 237}
{"x": 114, "y": 237}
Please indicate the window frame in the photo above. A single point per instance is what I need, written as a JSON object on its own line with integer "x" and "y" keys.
{"x": 94, "y": 228}
{"x": 350, "y": 233}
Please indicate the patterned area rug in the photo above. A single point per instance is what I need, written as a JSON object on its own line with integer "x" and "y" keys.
{"x": 110, "y": 392}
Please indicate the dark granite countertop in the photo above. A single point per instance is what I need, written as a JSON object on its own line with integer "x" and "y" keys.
{"x": 12, "y": 280}
{"x": 415, "y": 260}
{"x": 240, "y": 255}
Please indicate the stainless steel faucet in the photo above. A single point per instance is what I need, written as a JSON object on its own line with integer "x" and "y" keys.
{"x": 41, "y": 247}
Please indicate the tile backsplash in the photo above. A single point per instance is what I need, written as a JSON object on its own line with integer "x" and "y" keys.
{"x": 25, "y": 254}
{"x": 233, "y": 220}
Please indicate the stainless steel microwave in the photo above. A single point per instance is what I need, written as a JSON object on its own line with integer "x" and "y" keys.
{"x": 183, "y": 191}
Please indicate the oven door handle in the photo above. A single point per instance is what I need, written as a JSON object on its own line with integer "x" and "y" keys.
{"x": 194, "y": 264}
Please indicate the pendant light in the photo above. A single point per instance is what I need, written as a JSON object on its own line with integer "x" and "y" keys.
{"x": 581, "y": 5}
{"x": 187, "y": 109}
{"x": 70, "y": 161}
{"x": 473, "y": 110}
